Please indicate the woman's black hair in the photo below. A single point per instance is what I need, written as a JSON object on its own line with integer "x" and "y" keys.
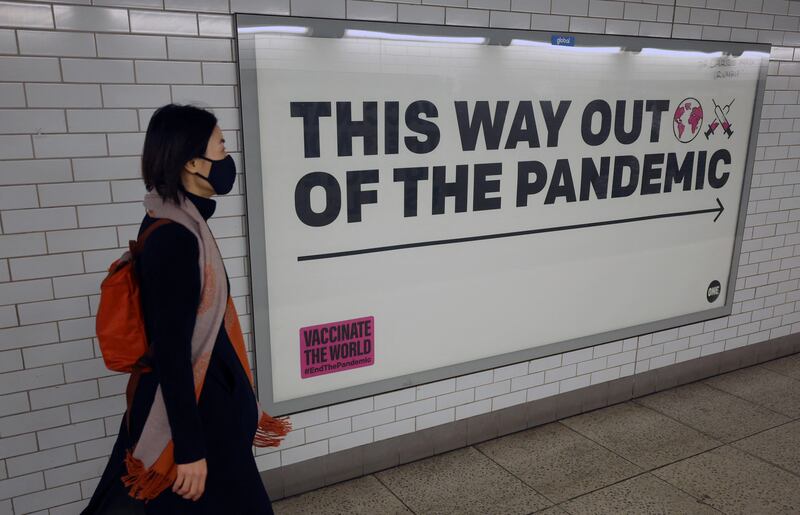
{"x": 175, "y": 135}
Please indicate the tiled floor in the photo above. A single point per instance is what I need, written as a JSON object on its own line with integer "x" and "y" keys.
{"x": 729, "y": 444}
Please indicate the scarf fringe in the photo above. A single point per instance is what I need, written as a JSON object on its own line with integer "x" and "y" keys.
{"x": 144, "y": 484}
{"x": 271, "y": 431}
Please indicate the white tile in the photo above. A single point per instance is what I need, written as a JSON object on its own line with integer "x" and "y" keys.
{"x": 19, "y": 337}
{"x": 516, "y": 370}
{"x": 17, "y": 445}
{"x": 197, "y": 5}
{"x": 416, "y": 408}
{"x": 12, "y": 95}
{"x": 570, "y": 7}
{"x": 510, "y": 20}
{"x": 436, "y": 418}
{"x": 110, "y": 214}
{"x": 437, "y": 388}
{"x": 98, "y": 448}
{"x": 215, "y": 26}
{"x": 58, "y": 353}
{"x": 15, "y": 147}
{"x": 304, "y": 452}
{"x": 473, "y": 409}
{"x": 97, "y": 408}
{"x": 62, "y": 395}
{"x": 574, "y": 383}
{"x": 361, "y": 10}
{"x": 492, "y": 390}
{"x": 76, "y": 472}
{"x": 141, "y": 47}
{"x": 219, "y": 73}
{"x": 32, "y": 172}
{"x": 63, "y": 95}
{"x": 44, "y": 266}
{"x": 168, "y": 72}
{"x": 509, "y": 399}
{"x": 374, "y": 418}
{"x": 100, "y": 19}
{"x": 155, "y": 4}
{"x": 534, "y": 6}
{"x": 47, "y": 499}
{"x": 473, "y": 380}
{"x": 328, "y": 430}
{"x": 74, "y": 193}
{"x": 18, "y": 197}
{"x": 30, "y": 220}
{"x": 102, "y": 120}
{"x": 30, "y": 69}
{"x": 351, "y": 408}
{"x": 126, "y": 144}
{"x": 454, "y": 399}
{"x": 31, "y": 121}
{"x": 21, "y": 381}
{"x": 52, "y": 310}
{"x": 398, "y": 428}
{"x": 547, "y": 363}
{"x": 199, "y": 49}
{"x": 18, "y": 486}
{"x": 395, "y": 398}
{"x": 420, "y": 14}
{"x": 76, "y": 285}
{"x": 37, "y": 461}
{"x": 97, "y": 70}
{"x": 70, "y": 145}
{"x": 8, "y": 42}
{"x": 157, "y": 22}
{"x": 328, "y": 9}
{"x": 61, "y": 44}
{"x": 351, "y": 440}
{"x": 260, "y": 6}
{"x": 8, "y": 317}
{"x": 107, "y": 168}
{"x": 25, "y": 291}
{"x": 211, "y": 96}
{"x": 540, "y": 392}
{"x": 135, "y": 96}
{"x": 18, "y": 14}
{"x": 468, "y": 17}
{"x": 10, "y": 360}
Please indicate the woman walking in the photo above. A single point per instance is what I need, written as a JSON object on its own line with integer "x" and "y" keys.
{"x": 185, "y": 443}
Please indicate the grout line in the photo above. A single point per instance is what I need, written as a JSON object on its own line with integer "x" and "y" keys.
{"x": 392, "y": 492}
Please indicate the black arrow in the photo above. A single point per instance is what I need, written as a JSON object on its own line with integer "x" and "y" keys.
{"x": 432, "y": 243}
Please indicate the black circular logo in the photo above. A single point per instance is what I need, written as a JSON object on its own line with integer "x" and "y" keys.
{"x": 713, "y": 291}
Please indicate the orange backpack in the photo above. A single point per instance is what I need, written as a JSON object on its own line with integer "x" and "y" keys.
{"x": 120, "y": 324}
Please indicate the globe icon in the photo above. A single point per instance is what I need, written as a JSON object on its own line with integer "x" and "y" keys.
{"x": 687, "y": 120}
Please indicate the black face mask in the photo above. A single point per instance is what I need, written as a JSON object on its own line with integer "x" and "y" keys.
{"x": 222, "y": 174}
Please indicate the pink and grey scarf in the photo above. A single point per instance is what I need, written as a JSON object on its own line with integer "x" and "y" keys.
{"x": 150, "y": 464}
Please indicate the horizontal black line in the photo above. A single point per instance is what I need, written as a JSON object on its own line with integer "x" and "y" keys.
{"x": 313, "y": 257}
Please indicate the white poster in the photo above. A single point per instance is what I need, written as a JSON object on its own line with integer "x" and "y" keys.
{"x": 432, "y": 202}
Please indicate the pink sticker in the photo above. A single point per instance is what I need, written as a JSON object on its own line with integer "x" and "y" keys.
{"x": 336, "y": 347}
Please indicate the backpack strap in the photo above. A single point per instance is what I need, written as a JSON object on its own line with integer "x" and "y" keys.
{"x": 137, "y": 246}
{"x": 143, "y": 363}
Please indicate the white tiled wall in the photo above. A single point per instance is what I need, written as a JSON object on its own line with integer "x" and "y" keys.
{"x": 79, "y": 80}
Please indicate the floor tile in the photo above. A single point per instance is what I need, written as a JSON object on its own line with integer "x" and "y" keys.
{"x": 641, "y": 495}
{"x": 780, "y": 446}
{"x": 718, "y": 414}
{"x": 365, "y": 495}
{"x": 788, "y": 366}
{"x": 641, "y": 435}
{"x": 463, "y": 482}
{"x": 761, "y": 386}
{"x": 735, "y": 482}
{"x": 558, "y": 462}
